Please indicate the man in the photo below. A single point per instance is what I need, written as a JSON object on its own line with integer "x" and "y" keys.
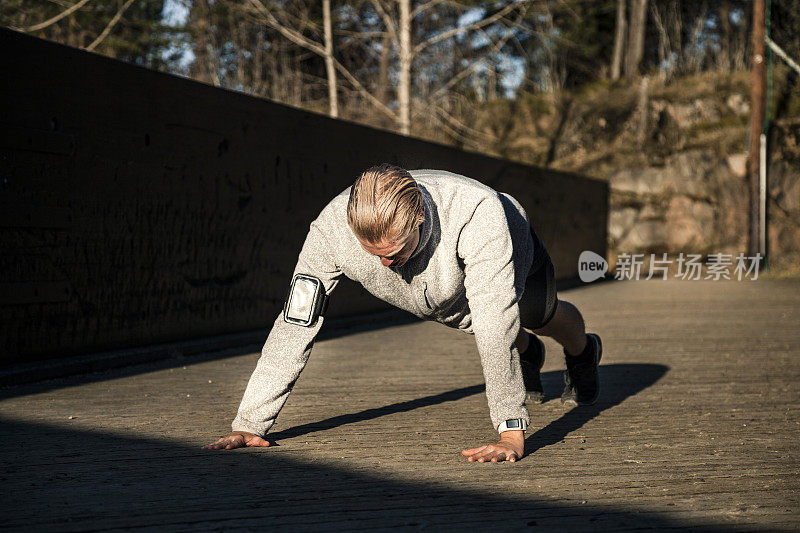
{"x": 446, "y": 248}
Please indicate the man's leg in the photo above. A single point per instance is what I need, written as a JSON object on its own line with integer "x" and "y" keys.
{"x": 542, "y": 313}
{"x": 566, "y": 328}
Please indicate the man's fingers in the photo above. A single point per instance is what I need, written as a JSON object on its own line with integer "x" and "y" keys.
{"x": 487, "y": 452}
{"x": 490, "y": 453}
{"x": 491, "y": 457}
{"x": 483, "y": 456}
{"x": 225, "y": 442}
{"x": 474, "y": 451}
{"x": 236, "y": 441}
{"x": 214, "y": 445}
{"x": 479, "y": 454}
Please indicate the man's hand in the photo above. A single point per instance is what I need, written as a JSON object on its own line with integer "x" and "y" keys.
{"x": 237, "y": 439}
{"x": 510, "y": 448}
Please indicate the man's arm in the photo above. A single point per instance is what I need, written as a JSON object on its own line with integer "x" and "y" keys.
{"x": 486, "y": 248}
{"x": 284, "y": 355}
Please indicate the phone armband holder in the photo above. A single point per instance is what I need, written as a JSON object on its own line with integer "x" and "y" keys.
{"x": 306, "y": 300}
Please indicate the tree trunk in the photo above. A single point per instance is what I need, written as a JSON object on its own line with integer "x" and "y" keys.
{"x": 201, "y": 66}
{"x": 664, "y": 46}
{"x": 724, "y": 61}
{"x": 636, "y": 37}
{"x": 644, "y": 114}
{"x": 491, "y": 83}
{"x": 404, "y": 88}
{"x": 333, "y": 99}
{"x": 619, "y": 41}
{"x": 383, "y": 72}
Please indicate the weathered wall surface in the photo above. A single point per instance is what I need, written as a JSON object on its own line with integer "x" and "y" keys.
{"x": 138, "y": 207}
{"x": 697, "y": 202}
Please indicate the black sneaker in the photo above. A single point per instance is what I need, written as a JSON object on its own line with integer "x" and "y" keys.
{"x": 581, "y": 380}
{"x": 531, "y": 362}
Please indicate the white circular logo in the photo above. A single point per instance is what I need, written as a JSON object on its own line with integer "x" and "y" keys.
{"x": 591, "y": 266}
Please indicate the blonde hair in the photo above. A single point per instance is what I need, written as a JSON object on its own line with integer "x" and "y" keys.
{"x": 385, "y": 204}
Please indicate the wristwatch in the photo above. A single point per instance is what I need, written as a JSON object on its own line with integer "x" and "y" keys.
{"x": 514, "y": 423}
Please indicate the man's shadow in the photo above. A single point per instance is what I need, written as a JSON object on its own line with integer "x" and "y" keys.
{"x": 617, "y": 383}
{"x": 377, "y": 412}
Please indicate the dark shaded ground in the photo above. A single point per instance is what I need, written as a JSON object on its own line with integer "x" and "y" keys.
{"x": 696, "y": 428}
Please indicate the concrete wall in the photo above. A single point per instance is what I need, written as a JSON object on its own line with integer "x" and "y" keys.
{"x": 138, "y": 207}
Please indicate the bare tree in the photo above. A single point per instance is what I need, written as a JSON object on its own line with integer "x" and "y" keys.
{"x": 619, "y": 41}
{"x": 206, "y": 65}
{"x": 330, "y": 67}
{"x": 107, "y": 30}
{"x": 664, "y": 44}
{"x": 400, "y": 29}
{"x": 406, "y": 58}
{"x": 383, "y": 68}
{"x": 636, "y": 32}
{"x": 123, "y": 29}
{"x": 694, "y": 54}
{"x": 49, "y": 22}
{"x": 278, "y": 20}
{"x": 724, "y": 58}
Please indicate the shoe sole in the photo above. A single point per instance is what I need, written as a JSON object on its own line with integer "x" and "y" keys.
{"x": 573, "y": 403}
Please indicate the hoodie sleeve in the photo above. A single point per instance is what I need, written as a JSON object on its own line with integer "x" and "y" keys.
{"x": 486, "y": 248}
{"x": 288, "y": 346}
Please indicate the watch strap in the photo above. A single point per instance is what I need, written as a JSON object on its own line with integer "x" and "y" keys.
{"x": 513, "y": 424}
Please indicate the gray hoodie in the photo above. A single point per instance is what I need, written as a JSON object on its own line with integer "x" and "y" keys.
{"x": 467, "y": 272}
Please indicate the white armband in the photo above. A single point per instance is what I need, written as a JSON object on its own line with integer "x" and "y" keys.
{"x": 306, "y": 300}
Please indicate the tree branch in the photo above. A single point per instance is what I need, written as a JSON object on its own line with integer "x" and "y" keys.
{"x": 109, "y": 27}
{"x": 387, "y": 20}
{"x": 475, "y": 64}
{"x": 444, "y": 119}
{"x": 312, "y": 46}
{"x": 361, "y": 34}
{"x": 291, "y": 34}
{"x": 424, "y": 7}
{"x": 475, "y": 25}
{"x": 364, "y": 92}
{"x": 65, "y": 13}
{"x": 457, "y": 123}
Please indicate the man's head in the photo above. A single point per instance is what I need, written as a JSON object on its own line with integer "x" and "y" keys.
{"x": 385, "y": 211}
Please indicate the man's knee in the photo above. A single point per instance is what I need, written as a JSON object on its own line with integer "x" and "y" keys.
{"x": 544, "y": 327}
{"x": 567, "y": 317}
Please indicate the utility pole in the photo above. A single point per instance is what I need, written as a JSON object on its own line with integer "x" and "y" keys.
{"x": 757, "y": 111}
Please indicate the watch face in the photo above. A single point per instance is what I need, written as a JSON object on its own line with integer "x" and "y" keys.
{"x": 512, "y": 423}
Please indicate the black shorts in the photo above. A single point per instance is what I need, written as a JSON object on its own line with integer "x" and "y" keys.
{"x": 538, "y": 303}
